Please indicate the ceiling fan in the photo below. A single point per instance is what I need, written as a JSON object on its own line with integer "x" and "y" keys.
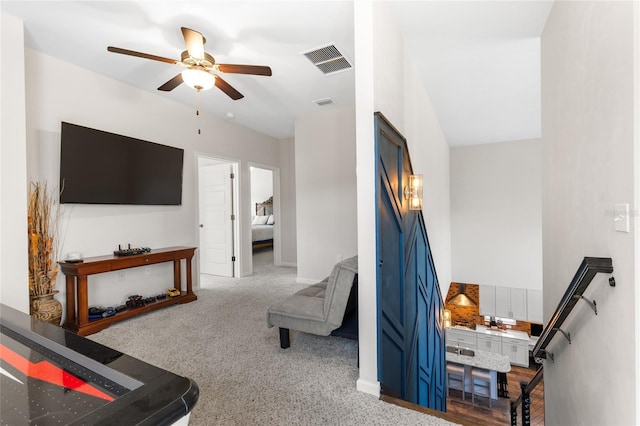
{"x": 202, "y": 71}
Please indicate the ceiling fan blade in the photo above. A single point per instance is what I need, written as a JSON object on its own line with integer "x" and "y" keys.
{"x": 244, "y": 69}
{"x": 172, "y": 84}
{"x": 195, "y": 43}
{"x": 228, "y": 89}
{"x": 141, "y": 55}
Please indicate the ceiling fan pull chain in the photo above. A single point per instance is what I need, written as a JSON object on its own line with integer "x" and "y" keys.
{"x": 198, "y": 106}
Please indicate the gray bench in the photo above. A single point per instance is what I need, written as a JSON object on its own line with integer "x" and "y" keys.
{"x": 319, "y": 308}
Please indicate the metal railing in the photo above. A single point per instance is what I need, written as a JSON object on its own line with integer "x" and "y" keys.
{"x": 533, "y": 414}
{"x": 589, "y": 267}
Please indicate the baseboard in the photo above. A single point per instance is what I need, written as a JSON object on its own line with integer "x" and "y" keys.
{"x": 372, "y": 388}
{"x": 289, "y": 264}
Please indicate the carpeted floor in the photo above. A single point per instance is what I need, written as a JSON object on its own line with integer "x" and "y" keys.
{"x": 222, "y": 342}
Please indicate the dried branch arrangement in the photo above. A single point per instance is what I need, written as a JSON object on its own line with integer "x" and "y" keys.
{"x": 43, "y": 227}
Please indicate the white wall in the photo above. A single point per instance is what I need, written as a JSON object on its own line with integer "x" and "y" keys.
{"x": 58, "y": 91}
{"x": 430, "y": 156}
{"x": 261, "y": 187}
{"x": 14, "y": 279}
{"x": 402, "y": 98}
{"x": 325, "y": 154}
{"x": 587, "y": 167}
{"x": 288, "y": 224}
{"x": 366, "y": 200}
{"x": 387, "y": 81}
{"x": 636, "y": 212}
{"x": 496, "y": 214}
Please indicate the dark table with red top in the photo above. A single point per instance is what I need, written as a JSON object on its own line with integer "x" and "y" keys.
{"x": 53, "y": 376}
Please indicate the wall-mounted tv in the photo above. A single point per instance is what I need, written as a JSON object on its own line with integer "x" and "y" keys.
{"x": 98, "y": 167}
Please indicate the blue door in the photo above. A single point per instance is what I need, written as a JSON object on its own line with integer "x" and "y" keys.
{"x": 411, "y": 361}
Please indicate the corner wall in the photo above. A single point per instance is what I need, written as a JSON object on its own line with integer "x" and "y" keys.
{"x": 289, "y": 246}
{"x": 14, "y": 279}
{"x": 636, "y": 212}
{"x": 430, "y": 156}
{"x": 365, "y": 170}
{"x": 587, "y": 167}
{"x": 400, "y": 95}
{"x": 387, "y": 81}
{"x": 325, "y": 156}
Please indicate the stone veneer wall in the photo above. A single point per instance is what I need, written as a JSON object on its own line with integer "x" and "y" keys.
{"x": 470, "y": 314}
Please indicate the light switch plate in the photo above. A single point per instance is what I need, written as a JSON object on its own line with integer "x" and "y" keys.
{"x": 621, "y": 217}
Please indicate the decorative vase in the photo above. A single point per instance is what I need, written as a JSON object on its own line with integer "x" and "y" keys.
{"x": 46, "y": 308}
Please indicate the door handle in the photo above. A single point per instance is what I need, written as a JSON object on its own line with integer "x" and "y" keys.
{"x": 201, "y": 226}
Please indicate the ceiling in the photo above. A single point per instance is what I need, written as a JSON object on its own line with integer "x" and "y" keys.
{"x": 480, "y": 60}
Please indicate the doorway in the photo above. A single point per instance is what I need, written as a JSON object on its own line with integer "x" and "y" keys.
{"x": 262, "y": 217}
{"x": 217, "y": 207}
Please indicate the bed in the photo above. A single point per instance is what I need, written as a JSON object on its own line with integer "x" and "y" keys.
{"x": 262, "y": 225}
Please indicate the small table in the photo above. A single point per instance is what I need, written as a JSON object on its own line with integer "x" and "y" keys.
{"x": 494, "y": 362}
{"x": 78, "y": 293}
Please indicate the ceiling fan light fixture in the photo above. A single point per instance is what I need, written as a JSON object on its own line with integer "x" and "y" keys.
{"x": 201, "y": 71}
{"x": 198, "y": 78}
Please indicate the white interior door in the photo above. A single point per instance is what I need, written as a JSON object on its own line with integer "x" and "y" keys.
{"x": 216, "y": 235}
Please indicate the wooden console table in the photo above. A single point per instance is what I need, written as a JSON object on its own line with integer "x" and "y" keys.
{"x": 77, "y": 292}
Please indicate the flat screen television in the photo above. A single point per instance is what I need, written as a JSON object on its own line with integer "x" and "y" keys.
{"x": 98, "y": 167}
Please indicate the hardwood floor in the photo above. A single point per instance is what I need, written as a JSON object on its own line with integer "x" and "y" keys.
{"x": 467, "y": 413}
{"x": 499, "y": 414}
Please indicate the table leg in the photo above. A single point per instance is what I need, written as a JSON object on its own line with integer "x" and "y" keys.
{"x": 83, "y": 300}
{"x": 71, "y": 299}
{"x": 189, "y": 277}
{"x": 177, "y": 276}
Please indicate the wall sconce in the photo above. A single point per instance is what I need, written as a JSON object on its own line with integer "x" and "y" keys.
{"x": 446, "y": 317}
{"x": 413, "y": 192}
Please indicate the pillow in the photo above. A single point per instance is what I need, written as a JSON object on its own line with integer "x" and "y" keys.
{"x": 270, "y": 220}
{"x": 260, "y": 220}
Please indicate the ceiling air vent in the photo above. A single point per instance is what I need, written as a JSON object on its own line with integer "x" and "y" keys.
{"x": 328, "y": 59}
{"x": 323, "y": 102}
